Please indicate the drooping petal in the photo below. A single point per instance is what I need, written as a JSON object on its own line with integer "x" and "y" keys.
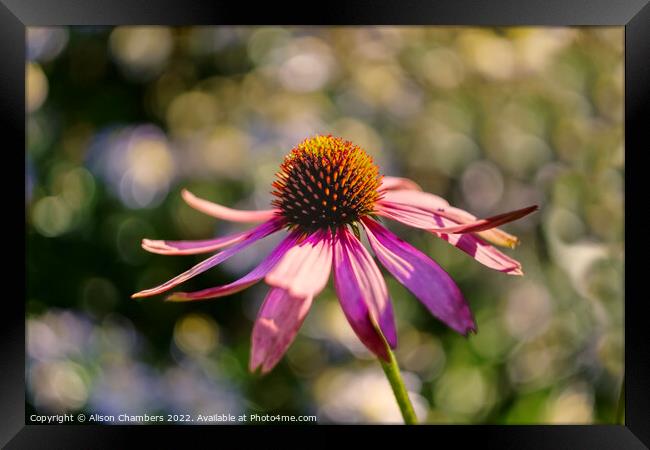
{"x": 434, "y": 204}
{"x": 483, "y": 252}
{"x": 499, "y": 237}
{"x": 362, "y": 293}
{"x": 487, "y": 223}
{"x": 422, "y": 276}
{"x": 305, "y": 268}
{"x": 193, "y": 247}
{"x": 415, "y": 198}
{"x": 277, "y": 324}
{"x": 495, "y": 236}
{"x": 256, "y": 234}
{"x": 225, "y": 213}
{"x": 469, "y": 227}
{"x": 391, "y": 183}
{"x": 408, "y": 215}
{"x": 469, "y": 243}
{"x": 423, "y": 208}
{"x": 246, "y": 281}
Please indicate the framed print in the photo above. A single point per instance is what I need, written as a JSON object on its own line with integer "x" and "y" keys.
{"x": 257, "y": 221}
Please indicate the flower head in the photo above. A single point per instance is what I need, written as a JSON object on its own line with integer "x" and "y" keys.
{"x": 326, "y": 182}
{"x": 326, "y": 190}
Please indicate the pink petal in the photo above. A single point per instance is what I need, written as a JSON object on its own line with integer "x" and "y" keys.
{"x": 277, "y": 324}
{"x": 497, "y": 236}
{"x": 424, "y": 200}
{"x": 256, "y": 234}
{"x": 391, "y": 183}
{"x": 305, "y": 269}
{"x": 469, "y": 227}
{"x": 363, "y": 295}
{"x": 494, "y": 235}
{"x": 225, "y": 213}
{"x": 408, "y": 215}
{"x": 487, "y": 223}
{"x": 483, "y": 252}
{"x": 422, "y": 276}
{"x": 469, "y": 243}
{"x": 248, "y": 280}
{"x": 192, "y": 247}
{"x": 434, "y": 204}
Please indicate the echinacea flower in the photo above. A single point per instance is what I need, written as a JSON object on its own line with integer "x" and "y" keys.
{"x": 327, "y": 191}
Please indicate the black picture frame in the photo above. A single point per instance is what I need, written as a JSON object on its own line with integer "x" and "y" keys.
{"x": 634, "y": 15}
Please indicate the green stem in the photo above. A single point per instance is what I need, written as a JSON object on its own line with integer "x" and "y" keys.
{"x": 391, "y": 369}
{"x": 620, "y": 408}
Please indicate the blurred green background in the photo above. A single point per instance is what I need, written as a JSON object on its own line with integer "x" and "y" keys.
{"x": 121, "y": 119}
